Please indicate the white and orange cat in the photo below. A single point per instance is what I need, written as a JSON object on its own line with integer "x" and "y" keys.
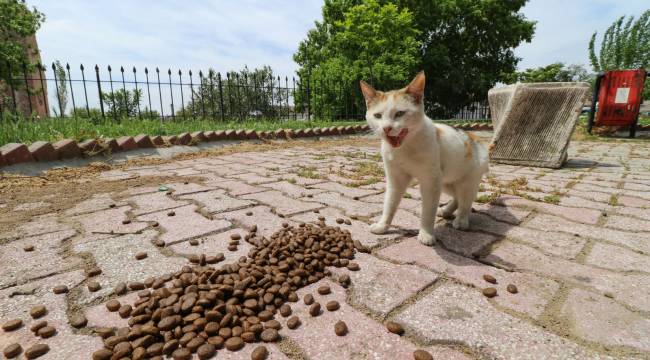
{"x": 439, "y": 157}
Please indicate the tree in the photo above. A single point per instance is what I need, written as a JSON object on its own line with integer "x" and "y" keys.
{"x": 465, "y": 46}
{"x": 625, "y": 45}
{"x": 17, "y": 22}
{"x": 556, "y": 72}
{"x": 123, "y": 103}
{"x": 61, "y": 88}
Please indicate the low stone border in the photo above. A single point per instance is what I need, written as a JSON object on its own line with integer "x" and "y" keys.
{"x": 41, "y": 151}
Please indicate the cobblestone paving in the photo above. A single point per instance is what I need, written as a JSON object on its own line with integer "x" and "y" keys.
{"x": 574, "y": 241}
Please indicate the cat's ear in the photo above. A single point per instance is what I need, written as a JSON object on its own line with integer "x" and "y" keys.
{"x": 368, "y": 91}
{"x": 416, "y": 87}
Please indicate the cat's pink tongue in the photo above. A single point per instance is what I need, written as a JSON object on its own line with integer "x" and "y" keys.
{"x": 396, "y": 141}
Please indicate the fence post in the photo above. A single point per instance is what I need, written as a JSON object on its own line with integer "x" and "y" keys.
{"x": 192, "y": 95}
{"x": 146, "y": 75}
{"x": 293, "y": 96}
{"x": 201, "y": 91}
{"x": 56, "y": 86}
{"x": 136, "y": 93}
{"x": 162, "y": 111}
{"x": 110, "y": 79}
{"x": 308, "y": 99}
{"x": 211, "y": 93}
{"x": 99, "y": 90}
{"x": 126, "y": 97}
{"x": 237, "y": 85}
{"x": 180, "y": 80}
{"x": 220, "y": 97}
{"x": 83, "y": 81}
{"x": 171, "y": 92}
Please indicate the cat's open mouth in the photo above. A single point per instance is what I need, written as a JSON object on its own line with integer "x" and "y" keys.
{"x": 396, "y": 141}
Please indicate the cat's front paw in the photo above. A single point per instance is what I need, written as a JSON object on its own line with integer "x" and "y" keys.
{"x": 426, "y": 237}
{"x": 379, "y": 228}
{"x": 460, "y": 223}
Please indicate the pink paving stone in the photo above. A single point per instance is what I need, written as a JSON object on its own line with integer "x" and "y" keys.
{"x": 266, "y": 221}
{"x": 254, "y": 179}
{"x": 381, "y": 286}
{"x": 344, "y": 190}
{"x": 596, "y": 318}
{"x": 636, "y": 186}
{"x": 117, "y": 175}
{"x": 347, "y": 205}
{"x": 366, "y": 338}
{"x": 617, "y": 258}
{"x": 403, "y": 219}
{"x": 633, "y": 202}
{"x": 217, "y": 201}
{"x": 503, "y": 213}
{"x": 282, "y": 204}
{"x": 37, "y": 226}
{"x": 187, "y": 172}
{"x": 47, "y": 258}
{"x": 109, "y": 221}
{"x": 588, "y": 216}
{"x": 455, "y": 313}
{"x": 148, "y": 203}
{"x": 579, "y": 202}
{"x": 98, "y": 316}
{"x": 186, "y": 224}
{"x": 189, "y": 188}
{"x": 638, "y": 194}
{"x": 630, "y": 211}
{"x": 291, "y": 189}
{"x": 213, "y": 244}
{"x": 14, "y": 153}
{"x": 237, "y": 188}
{"x": 637, "y": 241}
{"x": 16, "y": 303}
{"x": 358, "y": 229}
{"x": 534, "y": 292}
{"x": 97, "y": 202}
{"x": 627, "y": 223}
{"x": 405, "y": 203}
{"x": 116, "y": 257}
{"x": 43, "y": 151}
{"x": 633, "y": 289}
{"x": 299, "y": 180}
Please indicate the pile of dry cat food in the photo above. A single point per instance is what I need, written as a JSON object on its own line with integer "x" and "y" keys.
{"x": 203, "y": 308}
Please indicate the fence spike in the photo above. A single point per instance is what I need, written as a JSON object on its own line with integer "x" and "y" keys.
{"x": 122, "y": 68}
{"x": 190, "y": 72}
{"x": 179, "y": 72}
{"x": 81, "y": 67}
{"x": 157, "y": 70}
{"x": 134, "y": 69}
{"x": 96, "y": 67}
{"x": 67, "y": 66}
{"x": 146, "y": 71}
{"x": 169, "y": 72}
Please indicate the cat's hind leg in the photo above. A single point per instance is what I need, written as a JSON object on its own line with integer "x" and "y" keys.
{"x": 465, "y": 191}
{"x": 448, "y": 211}
{"x": 396, "y": 185}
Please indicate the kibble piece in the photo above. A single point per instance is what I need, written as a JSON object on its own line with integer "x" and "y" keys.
{"x": 490, "y": 292}
{"x": 78, "y": 321}
{"x": 28, "y": 248}
{"x": 340, "y": 328}
{"x": 489, "y": 278}
{"x": 249, "y": 213}
{"x": 60, "y": 289}
{"x": 94, "y": 272}
{"x": 126, "y": 222}
{"x": 12, "y": 350}
{"x": 352, "y": 266}
{"x": 113, "y": 305}
{"x": 332, "y": 305}
{"x": 12, "y": 325}
{"x": 103, "y": 354}
{"x": 293, "y": 322}
{"x": 36, "y": 350}
{"x": 38, "y": 311}
{"x": 260, "y": 353}
{"x": 194, "y": 242}
{"x": 234, "y": 343}
{"x": 314, "y": 309}
{"x": 38, "y": 325}
{"x": 139, "y": 353}
{"x": 159, "y": 242}
{"x": 422, "y": 355}
{"x": 120, "y": 288}
{"x": 171, "y": 213}
{"x": 235, "y": 236}
{"x": 141, "y": 255}
{"x": 340, "y": 221}
{"x": 105, "y": 332}
{"x": 512, "y": 288}
{"x": 324, "y": 290}
{"x": 94, "y": 286}
{"x": 125, "y": 311}
{"x": 273, "y": 324}
{"x": 136, "y": 285}
{"x": 395, "y": 328}
{"x": 46, "y": 332}
{"x": 360, "y": 247}
{"x": 181, "y": 354}
{"x": 206, "y": 351}
{"x": 308, "y": 299}
{"x": 269, "y": 335}
{"x": 285, "y": 310}
{"x": 232, "y": 247}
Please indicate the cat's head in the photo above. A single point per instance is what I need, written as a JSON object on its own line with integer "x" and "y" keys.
{"x": 393, "y": 115}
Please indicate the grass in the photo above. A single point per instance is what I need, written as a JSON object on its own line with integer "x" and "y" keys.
{"x": 79, "y": 129}
{"x": 552, "y": 199}
{"x": 309, "y": 172}
{"x": 613, "y": 200}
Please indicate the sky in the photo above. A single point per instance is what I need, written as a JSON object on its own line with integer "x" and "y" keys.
{"x": 226, "y": 34}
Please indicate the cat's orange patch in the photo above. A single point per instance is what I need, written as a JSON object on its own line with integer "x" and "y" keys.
{"x": 468, "y": 149}
{"x": 439, "y": 132}
{"x": 472, "y": 136}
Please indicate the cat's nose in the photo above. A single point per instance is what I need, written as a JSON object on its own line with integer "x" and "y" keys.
{"x": 388, "y": 129}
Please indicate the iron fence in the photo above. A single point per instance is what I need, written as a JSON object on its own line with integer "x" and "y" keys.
{"x": 111, "y": 94}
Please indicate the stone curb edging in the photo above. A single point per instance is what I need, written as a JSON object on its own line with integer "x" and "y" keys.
{"x": 42, "y": 151}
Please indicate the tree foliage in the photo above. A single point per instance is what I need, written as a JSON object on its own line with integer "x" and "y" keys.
{"x": 465, "y": 46}
{"x": 17, "y": 22}
{"x": 625, "y": 45}
{"x": 556, "y": 72}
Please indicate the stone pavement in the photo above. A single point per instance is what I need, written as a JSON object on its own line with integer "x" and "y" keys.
{"x": 574, "y": 241}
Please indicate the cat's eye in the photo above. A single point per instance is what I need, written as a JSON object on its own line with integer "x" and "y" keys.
{"x": 377, "y": 116}
{"x": 400, "y": 114}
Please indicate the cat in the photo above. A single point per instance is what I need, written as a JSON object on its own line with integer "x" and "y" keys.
{"x": 438, "y": 156}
